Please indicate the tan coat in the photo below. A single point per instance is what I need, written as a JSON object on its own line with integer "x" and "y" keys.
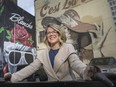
{"x": 65, "y": 61}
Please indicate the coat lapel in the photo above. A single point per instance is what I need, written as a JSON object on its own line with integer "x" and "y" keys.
{"x": 48, "y": 65}
{"x": 60, "y": 59}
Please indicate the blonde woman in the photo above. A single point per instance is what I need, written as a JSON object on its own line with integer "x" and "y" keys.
{"x": 58, "y": 59}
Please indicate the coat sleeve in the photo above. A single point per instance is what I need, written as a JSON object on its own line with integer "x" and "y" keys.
{"x": 75, "y": 63}
{"x": 26, "y": 72}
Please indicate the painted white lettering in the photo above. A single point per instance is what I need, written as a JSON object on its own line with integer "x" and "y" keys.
{"x": 20, "y": 20}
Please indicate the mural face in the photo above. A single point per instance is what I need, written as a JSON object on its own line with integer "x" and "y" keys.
{"x": 85, "y": 34}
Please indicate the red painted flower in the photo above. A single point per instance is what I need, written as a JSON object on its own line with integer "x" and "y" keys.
{"x": 20, "y": 34}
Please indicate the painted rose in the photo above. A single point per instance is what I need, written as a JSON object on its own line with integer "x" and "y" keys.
{"x": 20, "y": 34}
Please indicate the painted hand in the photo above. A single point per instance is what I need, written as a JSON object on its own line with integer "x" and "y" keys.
{"x": 98, "y": 37}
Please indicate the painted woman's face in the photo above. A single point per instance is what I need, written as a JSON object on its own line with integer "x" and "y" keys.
{"x": 52, "y": 36}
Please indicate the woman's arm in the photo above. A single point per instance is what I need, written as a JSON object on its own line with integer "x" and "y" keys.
{"x": 25, "y": 72}
{"x": 76, "y": 64}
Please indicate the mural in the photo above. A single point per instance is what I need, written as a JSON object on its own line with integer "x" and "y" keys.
{"x": 17, "y": 34}
{"x": 90, "y": 30}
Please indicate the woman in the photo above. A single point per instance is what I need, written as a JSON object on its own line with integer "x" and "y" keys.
{"x": 58, "y": 59}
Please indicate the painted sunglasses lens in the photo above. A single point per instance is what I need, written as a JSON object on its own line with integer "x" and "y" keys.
{"x": 15, "y": 57}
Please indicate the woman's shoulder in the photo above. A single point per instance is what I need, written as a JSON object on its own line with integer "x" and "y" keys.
{"x": 68, "y": 48}
{"x": 67, "y": 45}
{"x": 41, "y": 51}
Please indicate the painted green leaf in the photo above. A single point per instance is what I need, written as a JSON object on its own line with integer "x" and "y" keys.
{"x": 2, "y": 9}
{"x": 30, "y": 39}
{"x": 1, "y": 29}
{"x": 9, "y": 35}
{"x": 8, "y": 32}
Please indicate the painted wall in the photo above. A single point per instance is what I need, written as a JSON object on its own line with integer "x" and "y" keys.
{"x": 91, "y": 12}
{"x": 17, "y": 35}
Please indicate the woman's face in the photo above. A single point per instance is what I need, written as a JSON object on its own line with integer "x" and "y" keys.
{"x": 52, "y": 36}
